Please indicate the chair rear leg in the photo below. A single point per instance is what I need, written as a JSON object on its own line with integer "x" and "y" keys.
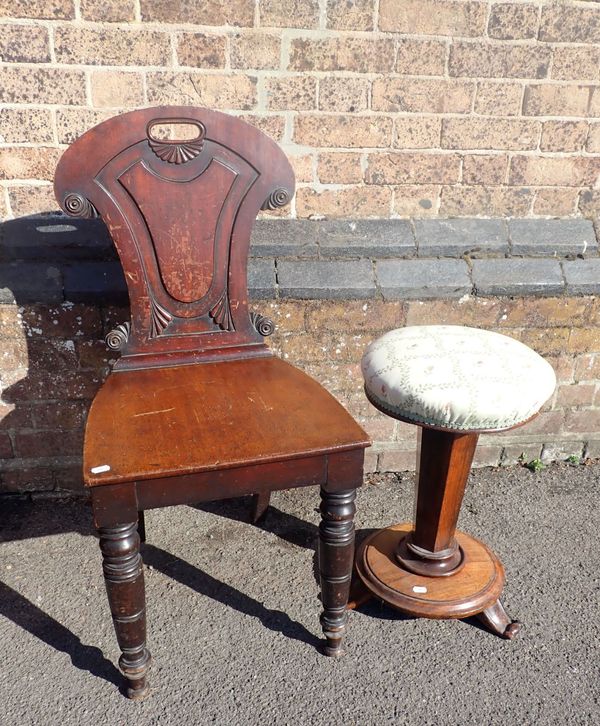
{"x": 336, "y": 558}
{"x": 260, "y": 504}
{"x": 124, "y": 579}
{"x": 141, "y": 526}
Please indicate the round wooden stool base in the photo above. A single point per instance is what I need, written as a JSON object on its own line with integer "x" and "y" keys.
{"x": 474, "y": 588}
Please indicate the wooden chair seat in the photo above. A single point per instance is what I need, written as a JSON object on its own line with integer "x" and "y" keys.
{"x": 210, "y": 416}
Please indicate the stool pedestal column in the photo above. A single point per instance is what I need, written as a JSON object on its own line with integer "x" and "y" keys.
{"x": 431, "y": 569}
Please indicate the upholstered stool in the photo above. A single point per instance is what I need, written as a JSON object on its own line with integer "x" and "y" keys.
{"x": 454, "y": 383}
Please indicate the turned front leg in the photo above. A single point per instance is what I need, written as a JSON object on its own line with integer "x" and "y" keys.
{"x": 336, "y": 557}
{"x": 124, "y": 579}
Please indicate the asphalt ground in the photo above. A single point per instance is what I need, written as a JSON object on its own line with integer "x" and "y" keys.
{"x": 233, "y": 616}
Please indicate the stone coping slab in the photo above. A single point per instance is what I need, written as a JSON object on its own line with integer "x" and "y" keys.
{"x": 54, "y": 258}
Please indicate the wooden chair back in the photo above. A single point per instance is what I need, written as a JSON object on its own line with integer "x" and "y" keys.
{"x": 179, "y": 189}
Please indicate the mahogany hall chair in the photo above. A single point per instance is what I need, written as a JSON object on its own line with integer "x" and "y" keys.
{"x": 197, "y": 407}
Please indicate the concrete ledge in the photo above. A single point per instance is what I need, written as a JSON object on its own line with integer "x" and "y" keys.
{"x": 54, "y": 258}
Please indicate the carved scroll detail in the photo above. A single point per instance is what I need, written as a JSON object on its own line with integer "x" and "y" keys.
{"x": 117, "y": 338}
{"x": 277, "y": 198}
{"x": 221, "y": 313}
{"x": 77, "y": 205}
{"x": 263, "y": 325}
{"x": 160, "y": 319}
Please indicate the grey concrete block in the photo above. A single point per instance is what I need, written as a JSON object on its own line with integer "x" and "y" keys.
{"x": 582, "y": 276}
{"x": 366, "y": 238}
{"x": 284, "y": 238}
{"x": 261, "y": 279}
{"x": 552, "y": 237}
{"x": 95, "y": 282}
{"x": 55, "y": 238}
{"x": 517, "y": 277}
{"x": 326, "y": 279}
{"x": 423, "y": 279}
{"x": 29, "y": 282}
{"x": 456, "y": 237}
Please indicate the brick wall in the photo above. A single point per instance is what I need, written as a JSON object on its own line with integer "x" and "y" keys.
{"x": 53, "y": 361}
{"x": 386, "y": 107}
{"x": 328, "y": 288}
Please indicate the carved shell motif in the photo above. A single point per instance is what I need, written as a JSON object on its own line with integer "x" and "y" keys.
{"x": 221, "y": 314}
{"x": 176, "y": 152}
{"x": 160, "y": 319}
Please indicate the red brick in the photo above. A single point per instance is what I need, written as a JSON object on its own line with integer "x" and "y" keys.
{"x": 495, "y": 98}
{"x": 350, "y": 15}
{"x": 24, "y": 43}
{"x": 497, "y": 133}
{"x": 111, "y": 46}
{"x": 432, "y": 17}
{"x": 6, "y": 449}
{"x": 291, "y": 93}
{"x": 371, "y": 458}
{"x": 51, "y": 443}
{"x": 352, "y": 201}
{"x": 28, "y": 162}
{"x": 474, "y": 311}
{"x": 485, "y": 201}
{"x": 587, "y": 367}
{"x": 569, "y": 171}
{"x": 416, "y": 200}
{"x": 584, "y": 421}
{"x": 27, "y": 478}
{"x": 485, "y": 168}
{"x": 421, "y": 57}
{"x": 258, "y": 50}
{"x": 477, "y": 60}
{"x": 548, "y": 422}
{"x": 564, "y": 23}
{"x": 397, "y": 460}
{"x": 345, "y": 95}
{"x": 580, "y": 394}
{"x": 407, "y": 168}
{"x": 201, "y": 50}
{"x": 427, "y": 95}
{"x": 555, "y": 202}
{"x": 339, "y": 168}
{"x": 576, "y": 63}
{"x": 352, "y": 316}
{"x": 291, "y": 14}
{"x": 108, "y": 11}
{"x": 216, "y": 12}
{"x": 364, "y": 55}
{"x": 543, "y": 99}
{"x": 42, "y": 9}
{"x": 343, "y": 131}
{"x": 513, "y": 21}
{"x": 29, "y": 84}
{"x": 63, "y": 321}
{"x": 487, "y": 456}
{"x": 219, "y": 91}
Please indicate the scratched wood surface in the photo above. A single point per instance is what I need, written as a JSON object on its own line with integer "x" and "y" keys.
{"x": 180, "y": 212}
{"x": 194, "y": 418}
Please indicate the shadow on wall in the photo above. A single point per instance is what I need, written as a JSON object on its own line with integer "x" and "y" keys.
{"x": 61, "y": 290}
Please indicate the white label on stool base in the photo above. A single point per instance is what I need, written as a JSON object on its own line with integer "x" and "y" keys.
{"x": 419, "y": 588}
{"x": 100, "y": 469}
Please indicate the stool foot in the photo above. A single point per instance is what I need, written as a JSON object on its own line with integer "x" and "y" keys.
{"x": 495, "y": 619}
